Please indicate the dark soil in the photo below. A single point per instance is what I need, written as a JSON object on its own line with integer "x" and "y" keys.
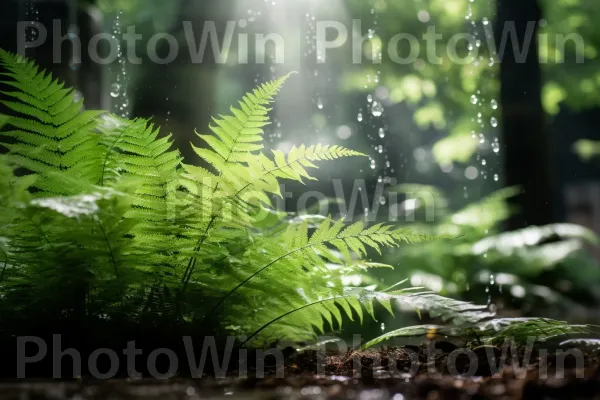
{"x": 398, "y": 373}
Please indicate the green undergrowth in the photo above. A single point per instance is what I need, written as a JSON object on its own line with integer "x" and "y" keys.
{"x": 103, "y": 222}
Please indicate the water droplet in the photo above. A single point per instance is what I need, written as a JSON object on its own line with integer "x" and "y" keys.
{"x": 474, "y": 99}
{"x": 320, "y": 104}
{"x": 496, "y": 177}
{"x": 381, "y": 133}
{"x": 485, "y": 21}
{"x": 496, "y": 147}
{"x": 483, "y": 162}
{"x": 380, "y": 149}
{"x": 494, "y": 122}
{"x": 369, "y": 98}
{"x": 360, "y": 117}
{"x": 373, "y": 165}
{"x": 494, "y": 104}
{"x": 115, "y": 89}
{"x": 382, "y": 201}
{"x": 377, "y": 109}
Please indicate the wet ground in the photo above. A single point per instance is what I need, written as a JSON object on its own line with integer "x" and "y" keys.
{"x": 380, "y": 379}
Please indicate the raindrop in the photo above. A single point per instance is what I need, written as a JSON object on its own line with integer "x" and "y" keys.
{"x": 494, "y": 122}
{"x": 360, "y": 117}
{"x": 474, "y": 99}
{"x": 114, "y": 90}
{"x": 483, "y": 162}
{"x": 377, "y": 109}
{"x": 369, "y": 98}
{"x": 380, "y": 149}
{"x": 485, "y": 21}
{"x": 320, "y": 104}
{"x": 382, "y": 201}
{"x": 373, "y": 165}
{"x": 496, "y": 177}
{"x": 494, "y": 104}
{"x": 381, "y": 133}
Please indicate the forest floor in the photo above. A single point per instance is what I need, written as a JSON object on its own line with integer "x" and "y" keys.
{"x": 413, "y": 375}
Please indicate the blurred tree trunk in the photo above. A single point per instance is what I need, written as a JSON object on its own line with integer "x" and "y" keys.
{"x": 84, "y": 77}
{"x": 187, "y": 90}
{"x": 526, "y": 141}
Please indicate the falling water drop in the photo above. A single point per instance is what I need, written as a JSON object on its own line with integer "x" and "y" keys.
{"x": 373, "y": 165}
{"x": 115, "y": 89}
{"x": 494, "y": 122}
{"x": 360, "y": 117}
{"x": 496, "y": 177}
{"x": 485, "y": 21}
{"x": 369, "y": 98}
{"x": 382, "y": 201}
{"x": 381, "y": 133}
{"x": 320, "y": 104}
{"x": 377, "y": 109}
{"x": 474, "y": 99}
{"x": 494, "y": 104}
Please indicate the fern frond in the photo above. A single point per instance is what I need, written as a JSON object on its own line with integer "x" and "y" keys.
{"x": 135, "y": 153}
{"x": 50, "y": 133}
{"x": 237, "y": 136}
{"x": 300, "y": 252}
{"x": 495, "y": 331}
{"x": 354, "y": 300}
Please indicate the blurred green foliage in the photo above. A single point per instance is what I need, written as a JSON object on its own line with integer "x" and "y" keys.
{"x": 545, "y": 271}
{"x": 441, "y": 93}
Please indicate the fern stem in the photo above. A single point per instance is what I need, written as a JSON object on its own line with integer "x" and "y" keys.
{"x": 192, "y": 263}
{"x": 187, "y": 276}
{"x": 256, "y": 106}
{"x": 112, "y": 146}
{"x": 265, "y": 326}
{"x": 110, "y": 250}
{"x": 232, "y": 291}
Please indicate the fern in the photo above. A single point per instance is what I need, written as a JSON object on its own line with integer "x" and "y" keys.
{"x": 111, "y": 213}
{"x": 496, "y": 331}
{"x": 51, "y": 137}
